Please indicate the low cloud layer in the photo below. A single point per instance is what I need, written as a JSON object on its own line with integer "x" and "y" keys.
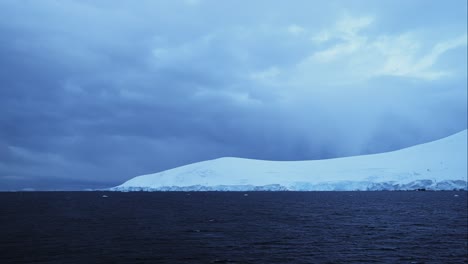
{"x": 94, "y": 93}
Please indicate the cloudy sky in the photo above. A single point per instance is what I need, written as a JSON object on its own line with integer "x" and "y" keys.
{"x": 93, "y": 93}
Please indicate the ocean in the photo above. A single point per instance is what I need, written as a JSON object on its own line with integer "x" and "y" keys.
{"x": 234, "y": 227}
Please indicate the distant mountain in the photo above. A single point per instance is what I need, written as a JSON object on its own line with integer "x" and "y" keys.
{"x": 437, "y": 165}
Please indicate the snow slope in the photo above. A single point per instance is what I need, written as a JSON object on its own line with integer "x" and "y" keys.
{"x": 437, "y": 165}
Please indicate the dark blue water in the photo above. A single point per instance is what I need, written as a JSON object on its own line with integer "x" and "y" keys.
{"x": 219, "y": 227}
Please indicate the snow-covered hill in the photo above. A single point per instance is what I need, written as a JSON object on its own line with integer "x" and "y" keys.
{"x": 437, "y": 165}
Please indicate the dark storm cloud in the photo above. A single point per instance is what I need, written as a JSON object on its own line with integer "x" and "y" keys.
{"x": 96, "y": 93}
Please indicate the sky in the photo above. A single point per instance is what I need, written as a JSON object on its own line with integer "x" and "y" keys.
{"x": 93, "y": 93}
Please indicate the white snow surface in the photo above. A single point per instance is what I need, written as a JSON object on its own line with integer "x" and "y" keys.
{"x": 437, "y": 165}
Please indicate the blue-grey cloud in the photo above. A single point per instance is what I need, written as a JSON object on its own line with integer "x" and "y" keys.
{"x": 95, "y": 93}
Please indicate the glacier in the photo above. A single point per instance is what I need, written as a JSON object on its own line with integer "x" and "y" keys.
{"x": 437, "y": 165}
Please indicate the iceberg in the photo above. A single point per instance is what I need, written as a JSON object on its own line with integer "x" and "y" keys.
{"x": 437, "y": 165}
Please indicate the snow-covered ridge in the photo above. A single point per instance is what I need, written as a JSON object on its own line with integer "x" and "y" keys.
{"x": 437, "y": 165}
